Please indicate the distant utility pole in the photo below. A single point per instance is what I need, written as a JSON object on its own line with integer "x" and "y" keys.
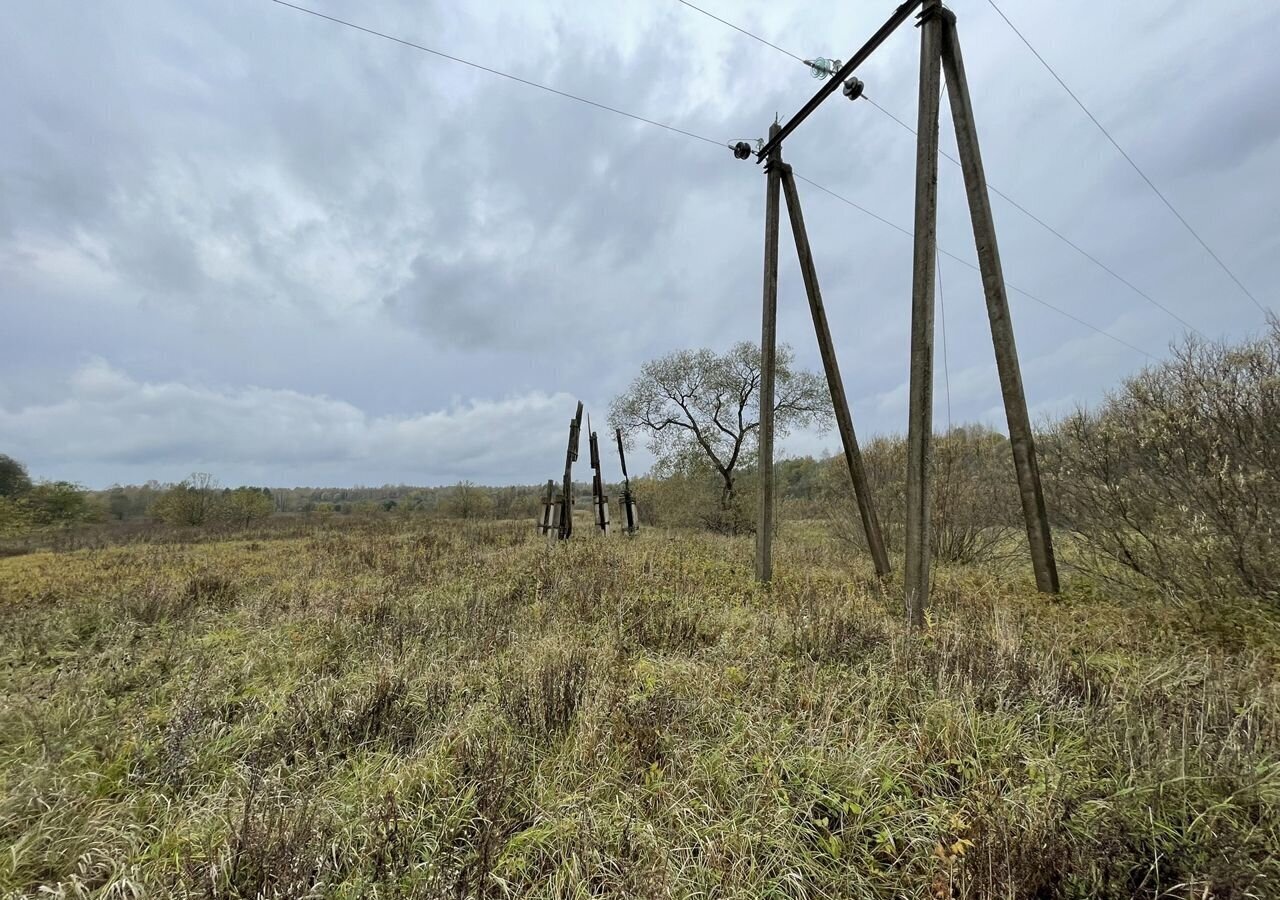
{"x": 556, "y": 519}
{"x": 939, "y": 53}
{"x": 630, "y": 515}
{"x": 565, "y": 530}
{"x": 599, "y": 502}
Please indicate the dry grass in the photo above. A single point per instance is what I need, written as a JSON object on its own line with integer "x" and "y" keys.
{"x": 427, "y": 711}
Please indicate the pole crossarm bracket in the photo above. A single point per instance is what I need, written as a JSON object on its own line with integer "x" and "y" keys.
{"x": 935, "y": 12}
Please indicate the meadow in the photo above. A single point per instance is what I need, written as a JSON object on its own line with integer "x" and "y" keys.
{"x": 411, "y": 708}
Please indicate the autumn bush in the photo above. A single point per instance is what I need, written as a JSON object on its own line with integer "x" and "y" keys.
{"x": 685, "y": 491}
{"x": 974, "y": 512}
{"x": 1174, "y": 481}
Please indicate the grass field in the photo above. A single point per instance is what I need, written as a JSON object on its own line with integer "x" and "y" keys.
{"x": 448, "y": 710}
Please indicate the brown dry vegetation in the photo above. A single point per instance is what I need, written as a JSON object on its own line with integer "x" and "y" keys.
{"x": 410, "y": 709}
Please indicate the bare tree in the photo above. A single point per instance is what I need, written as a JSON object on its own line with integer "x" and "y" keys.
{"x": 695, "y": 401}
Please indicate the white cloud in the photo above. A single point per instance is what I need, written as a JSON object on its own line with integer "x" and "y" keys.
{"x": 120, "y": 428}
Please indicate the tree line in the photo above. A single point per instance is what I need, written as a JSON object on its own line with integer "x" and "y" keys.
{"x": 1172, "y": 481}
{"x": 201, "y": 500}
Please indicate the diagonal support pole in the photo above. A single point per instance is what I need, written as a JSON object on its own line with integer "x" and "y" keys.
{"x": 768, "y": 365}
{"x": 920, "y": 403}
{"x": 839, "y": 400}
{"x": 984, "y": 233}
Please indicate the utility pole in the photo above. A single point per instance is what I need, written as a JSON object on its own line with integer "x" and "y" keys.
{"x": 548, "y": 522}
{"x": 599, "y": 502}
{"x": 630, "y": 518}
{"x": 920, "y": 400}
{"x": 780, "y": 176}
{"x": 556, "y": 520}
{"x": 939, "y": 50}
{"x": 570, "y": 457}
{"x": 768, "y": 366}
{"x": 984, "y": 233}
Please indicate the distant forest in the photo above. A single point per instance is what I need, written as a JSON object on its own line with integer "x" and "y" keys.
{"x": 799, "y": 479}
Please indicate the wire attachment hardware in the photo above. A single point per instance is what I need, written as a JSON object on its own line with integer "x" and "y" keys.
{"x": 938, "y": 11}
{"x": 823, "y": 67}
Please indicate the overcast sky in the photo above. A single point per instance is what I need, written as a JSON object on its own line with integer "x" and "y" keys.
{"x": 238, "y": 239}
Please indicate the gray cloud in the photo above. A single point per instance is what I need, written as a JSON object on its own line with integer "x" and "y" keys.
{"x": 268, "y": 215}
{"x": 135, "y": 429}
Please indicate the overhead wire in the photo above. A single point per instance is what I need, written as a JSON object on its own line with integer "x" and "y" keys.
{"x": 743, "y": 30}
{"x": 1129, "y": 159}
{"x": 1055, "y": 232}
{"x": 965, "y": 262}
{"x": 498, "y": 72}
{"x": 995, "y": 190}
{"x": 674, "y": 129}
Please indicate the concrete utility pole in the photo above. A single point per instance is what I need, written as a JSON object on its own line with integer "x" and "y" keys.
{"x": 984, "y": 234}
{"x": 835, "y": 384}
{"x": 768, "y": 366}
{"x": 920, "y": 403}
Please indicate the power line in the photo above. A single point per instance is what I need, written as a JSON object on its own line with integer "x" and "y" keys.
{"x": 672, "y": 128}
{"x": 492, "y": 71}
{"x": 749, "y": 34}
{"x": 1055, "y": 232}
{"x": 1013, "y": 287}
{"x": 995, "y": 190}
{"x": 1129, "y": 159}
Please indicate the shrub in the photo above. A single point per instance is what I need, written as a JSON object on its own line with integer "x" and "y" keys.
{"x": 1176, "y": 478}
{"x": 974, "y": 512}
{"x": 15, "y": 517}
{"x": 189, "y": 502}
{"x": 45, "y": 504}
{"x": 245, "y": 505}
{"x": 685, "y": 492}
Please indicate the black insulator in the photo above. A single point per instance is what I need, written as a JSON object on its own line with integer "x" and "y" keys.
{"x": 853, "y": 88}
{"x": 742, "y": 150}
